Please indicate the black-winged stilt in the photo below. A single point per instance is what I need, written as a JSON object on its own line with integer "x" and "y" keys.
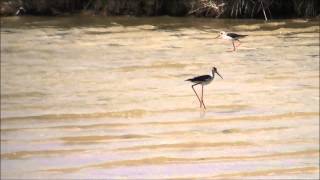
{"x": 231, "y": 37}
{"x": 203, "y": 80}
{"x": 20, "y": 11}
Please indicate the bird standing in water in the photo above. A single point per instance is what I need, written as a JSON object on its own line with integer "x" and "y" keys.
{"x": 231, "y": 37}
{"x": 203, "y": 80}
{"x": 20, "y": 11}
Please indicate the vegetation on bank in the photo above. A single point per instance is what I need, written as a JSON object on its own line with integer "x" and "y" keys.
{"x": 205, "y": 8}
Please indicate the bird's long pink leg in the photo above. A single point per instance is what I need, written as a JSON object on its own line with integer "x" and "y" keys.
{"x": 197, "y": 94}
{"x": 202, "y": 97}
{"x": 239, "y": 43}
{"x": 234, "y": 47}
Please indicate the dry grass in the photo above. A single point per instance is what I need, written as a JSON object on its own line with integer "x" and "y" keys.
{"x": 209, "y": 8}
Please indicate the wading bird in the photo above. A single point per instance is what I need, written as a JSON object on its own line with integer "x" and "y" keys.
{"x": 231, "y": 37}
{"x": 20, "y": 11}
{"x": 203, "y": 80}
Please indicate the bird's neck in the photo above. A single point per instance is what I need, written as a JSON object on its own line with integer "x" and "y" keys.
{"x": 212, "y": 74}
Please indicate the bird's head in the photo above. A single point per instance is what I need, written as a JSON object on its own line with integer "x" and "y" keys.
{"x": 221, "y": 33}
{"x": 214, "y": 70}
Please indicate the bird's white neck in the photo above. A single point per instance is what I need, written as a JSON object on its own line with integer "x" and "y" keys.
{"x": 212, "y": 74}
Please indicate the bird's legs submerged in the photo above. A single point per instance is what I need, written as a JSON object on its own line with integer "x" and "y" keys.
{"x": 202, "y": 97}
{"x": 200, "y": 100}
{"x": 197, "y": 94}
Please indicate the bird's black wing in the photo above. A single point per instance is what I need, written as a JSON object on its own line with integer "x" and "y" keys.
{"x": 235, "y": 36}
{"x": 199, "y": 78}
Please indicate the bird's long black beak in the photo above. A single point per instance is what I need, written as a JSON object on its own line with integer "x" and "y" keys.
{"x": 217, "y": 37}
{"x": 219, "y": 74}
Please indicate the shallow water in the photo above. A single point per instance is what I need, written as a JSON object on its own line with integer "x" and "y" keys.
{"x": 106, "y": 98}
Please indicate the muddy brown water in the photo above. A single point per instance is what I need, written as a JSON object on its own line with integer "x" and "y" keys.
{"x": 100, "y": 97}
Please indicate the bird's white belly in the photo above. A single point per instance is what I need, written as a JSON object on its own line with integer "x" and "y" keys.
{"x": 227, "y": 37}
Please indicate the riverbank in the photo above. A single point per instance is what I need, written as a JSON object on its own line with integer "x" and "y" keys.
{"x": 202, "y": 8}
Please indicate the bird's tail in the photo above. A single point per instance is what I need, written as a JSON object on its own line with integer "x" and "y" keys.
{"x": 188, "y": 80}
